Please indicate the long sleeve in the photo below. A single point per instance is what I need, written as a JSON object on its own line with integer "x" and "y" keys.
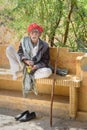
{"x": 42, "y": 59}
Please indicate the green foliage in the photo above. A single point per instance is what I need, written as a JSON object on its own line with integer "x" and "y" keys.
{"x": 60, "y": 19}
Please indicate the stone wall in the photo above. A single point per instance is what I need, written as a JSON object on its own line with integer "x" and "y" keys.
{"x": 7, "y": 36}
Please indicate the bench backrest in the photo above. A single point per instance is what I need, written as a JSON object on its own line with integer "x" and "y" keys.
{"x": 66, "y": 59}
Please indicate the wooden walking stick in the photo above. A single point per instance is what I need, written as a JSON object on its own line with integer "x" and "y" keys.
{"x": 53, "y": 87}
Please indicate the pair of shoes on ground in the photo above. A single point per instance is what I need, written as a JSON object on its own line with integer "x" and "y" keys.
{"x": 25, "y": 116}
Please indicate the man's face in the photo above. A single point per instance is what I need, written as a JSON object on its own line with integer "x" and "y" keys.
{"x": 34, "y": 35}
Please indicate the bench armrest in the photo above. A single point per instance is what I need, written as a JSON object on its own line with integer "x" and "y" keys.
{"x": 78, "y": 67}
{"x": 84, "y": 63}
{"x": 81, "y": 64}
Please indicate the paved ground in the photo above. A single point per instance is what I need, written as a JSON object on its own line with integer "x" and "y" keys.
{"x": 7, "y": 122}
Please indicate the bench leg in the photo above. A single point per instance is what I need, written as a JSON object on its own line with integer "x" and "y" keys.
{"x": 73, "y": 102}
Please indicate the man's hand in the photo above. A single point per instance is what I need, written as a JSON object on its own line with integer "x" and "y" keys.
{"x": 29, "y": 62}
{"x": 34, "y": 67}
{"x": 31, "y": 69}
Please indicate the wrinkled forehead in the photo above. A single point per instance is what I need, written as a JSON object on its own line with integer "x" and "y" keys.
{"x": 34, "y": 31}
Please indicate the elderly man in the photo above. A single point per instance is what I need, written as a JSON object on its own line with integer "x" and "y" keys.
{"x": 33, "y": 55}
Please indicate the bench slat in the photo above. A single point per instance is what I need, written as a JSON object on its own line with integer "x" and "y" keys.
{"x": 68, "y": 81}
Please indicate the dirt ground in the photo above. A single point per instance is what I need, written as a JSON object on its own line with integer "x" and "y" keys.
{"x": 8, "y": 122}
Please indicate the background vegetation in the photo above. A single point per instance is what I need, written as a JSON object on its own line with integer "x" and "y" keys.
{"x": 64, "y": 21}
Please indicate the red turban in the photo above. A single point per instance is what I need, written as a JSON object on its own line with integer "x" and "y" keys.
{"x": 35, "y": 26}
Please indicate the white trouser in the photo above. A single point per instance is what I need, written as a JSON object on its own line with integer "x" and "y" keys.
{"x": 16, "y": 65}
{"x": 14, "y": 60}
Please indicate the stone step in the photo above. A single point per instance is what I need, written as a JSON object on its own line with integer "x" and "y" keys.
{"x": 41, "y": 103}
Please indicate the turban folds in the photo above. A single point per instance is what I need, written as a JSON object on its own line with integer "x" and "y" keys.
{"x": 35, "y": 26}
